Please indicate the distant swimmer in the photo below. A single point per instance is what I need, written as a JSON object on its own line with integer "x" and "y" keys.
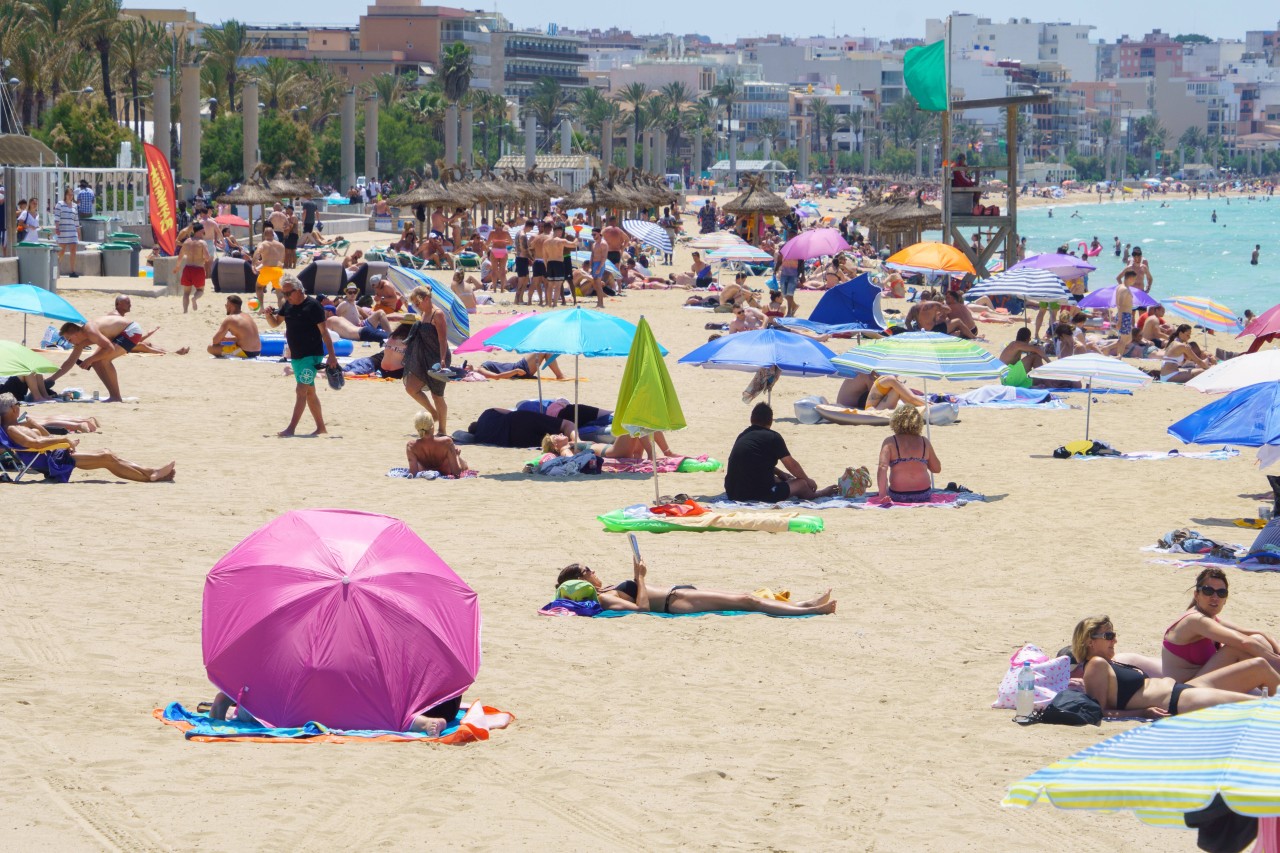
{"x": 1214, "y": 217}
{"x": 1075, "y": 214}
{"x": 1051, "y": 212}
{"x": 1253, "y": 259}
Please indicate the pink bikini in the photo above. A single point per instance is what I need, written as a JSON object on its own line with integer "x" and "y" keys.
{"x": 1197, "y": 653}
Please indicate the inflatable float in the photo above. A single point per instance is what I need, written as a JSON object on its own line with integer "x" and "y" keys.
{"x": 937, "y": 413}
{"x": 273, "y": 346}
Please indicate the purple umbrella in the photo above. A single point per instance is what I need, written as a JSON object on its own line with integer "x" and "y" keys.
{"x": 1106, "y": 298}
{"x": 1065, "y": 267}
{"x": 814, "y": 244}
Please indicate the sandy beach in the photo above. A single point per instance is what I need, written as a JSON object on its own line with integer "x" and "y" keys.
{"x": 867, "y": 730}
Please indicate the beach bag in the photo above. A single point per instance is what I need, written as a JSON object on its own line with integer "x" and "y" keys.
{"x": 1052, "y": 676}
{"x": 1070, "y": 708}
{"x": 854, "y": 482}
{"x": 807, "y": 409}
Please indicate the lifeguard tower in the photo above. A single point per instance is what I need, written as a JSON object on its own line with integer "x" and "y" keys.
{"x": 997, "y": 232}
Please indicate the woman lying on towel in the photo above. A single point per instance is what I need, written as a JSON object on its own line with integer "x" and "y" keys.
{"x": 638, "y": 595}
{"x": 432, "y": 721}
{"x": 1127, "y": 691}
{"x": 623, "y": 447}
{"x": 1200, "y": 641}
{"x": 906, "y": 460}
{"x": 65, "y": 457}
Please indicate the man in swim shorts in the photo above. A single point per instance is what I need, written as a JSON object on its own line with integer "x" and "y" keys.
{"x": 539, "y": 271}
{"x": 268, "y": 264}
{"x": 194, "y": 260}
{"x": 1124, "y": 310}
{"x": 522, "y": 237}
{"x": 615, "y": 239}
{"x": 238, "y": 328}
{"x": 309, "y": 342}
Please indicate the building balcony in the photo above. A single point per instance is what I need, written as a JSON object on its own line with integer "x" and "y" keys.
{"x": 448, "y": 36}
{"x": 535, "y": 51}
{"x": 563, "y": 76}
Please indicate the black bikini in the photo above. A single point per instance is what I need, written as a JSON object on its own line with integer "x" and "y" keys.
{"x": 1129, "y": 680}
{"x": 628, "y": 588}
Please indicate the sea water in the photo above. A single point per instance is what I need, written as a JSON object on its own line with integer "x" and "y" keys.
{"x": 1189, "y": 254}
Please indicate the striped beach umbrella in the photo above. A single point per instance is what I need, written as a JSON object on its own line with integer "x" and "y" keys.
{"x": 1206, "y": 312}
{"x": 1029, "y": 285}
{"x": 1174, "y": 766}
{"x": 1092, "y": 369}
{"x": 648, "y": 233}
{"x": 927, "y": 355}
{"x": 931, "y": 258}
{"x": 458, "y": 321}
{"x": 744, "y": 253}
{"x": 716, "y": 240}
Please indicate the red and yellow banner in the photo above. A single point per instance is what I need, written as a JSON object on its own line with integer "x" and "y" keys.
{"x": 164, "y": 214}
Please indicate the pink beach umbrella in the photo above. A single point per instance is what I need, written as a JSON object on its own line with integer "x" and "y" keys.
{"x": 341, "y": 617}
{"x": 814, "y": 244}
{"x": 476, "y": 343}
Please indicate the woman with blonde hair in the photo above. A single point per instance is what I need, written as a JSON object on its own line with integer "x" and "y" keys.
{"x": 427, "y": 350}
{"x": 907, "y": 460}
{"x": 431, "y": 452}
{"x": 1127, "y": 691}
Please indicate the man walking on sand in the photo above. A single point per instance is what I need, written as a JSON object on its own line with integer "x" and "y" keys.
{"x": 194, "y": 261}
{"x": 268, "y": 264}
{"x": 309, "y": 341}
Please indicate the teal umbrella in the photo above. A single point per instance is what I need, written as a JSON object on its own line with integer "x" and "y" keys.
{"x": 29, "y": 299}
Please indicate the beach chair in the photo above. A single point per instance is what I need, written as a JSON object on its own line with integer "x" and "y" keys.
{"x": 17, "y": 462}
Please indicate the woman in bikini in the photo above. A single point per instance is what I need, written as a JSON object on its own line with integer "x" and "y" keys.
{"x": 1180, "y": 361}
{"x": 1126, "y": 691}
{"x": 874, "y": 391}
{"x": 623, "y": 447}
{"x": 681, "y": 599}
{"x": 906, "y": 460}
{"x": 499, "y": 248}
{"x": 1200, "y": 641}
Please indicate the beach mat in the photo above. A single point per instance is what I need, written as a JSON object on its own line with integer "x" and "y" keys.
{"x": 1149, "y": 455}
{"x": 939, "y": 499}
{"x": 403, "y": 474}
{"x": 474, "y": 722}
{"x": 638, "y": 519}
{"x": 565, "y": 607}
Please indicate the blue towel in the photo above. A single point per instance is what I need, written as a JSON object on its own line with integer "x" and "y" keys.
{"x": 594, "y": 610}
{"x": 203, "y": 726}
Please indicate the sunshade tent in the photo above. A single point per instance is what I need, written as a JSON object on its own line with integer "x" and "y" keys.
{"x": 816, "y": 243}
{"x": 1106, "y": 298}
{"x": 1092, "y": 369}
{"x": 743, "y": 253}
{"x": 1249, "y": 417}
{"x": 17, "y": 360}
{"x": 931, "y": 258}
{"x": 647, "y": 401}
{"x": 716, "y": 240}
{"x": 1065, "y": 267}
{"x": 341, "y": 617}
{"x": 1239, "y": 372}
{"x": 648, "y": 233}
{"x": 29, "y": 299}
{"x": 457, "y": 320}
{"x": 793, "y": 355}
{"x": 1174, "y": 766}
{"x": 852, "y": 306}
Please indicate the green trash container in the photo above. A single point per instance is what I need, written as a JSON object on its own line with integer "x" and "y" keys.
{"x": 124, "y": 237}
{"x": 115, "y": 258}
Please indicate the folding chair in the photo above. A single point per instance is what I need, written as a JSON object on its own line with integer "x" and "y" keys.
{"x": 12, "y": 465}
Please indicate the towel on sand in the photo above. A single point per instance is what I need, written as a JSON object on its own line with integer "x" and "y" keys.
{"x": 475, "y": 722}
{"x": 565, "y": 607}
{"x": 939, "y": 498}
{"x": 666, "y": 465}
{"x": 1147, "y": 455}
{"x": 403, "y": 474}
{"x": 638, "y": 518}
{"x": 1009, "y": 397}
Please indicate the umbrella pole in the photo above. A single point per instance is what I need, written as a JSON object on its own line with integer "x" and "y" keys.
{"x": 24, "y": 329}
{"x": 1088, "y": 408}
{"x": 928, "y": 423}
{"x": 575, "y": 394}
{"x": 653, "y": 458}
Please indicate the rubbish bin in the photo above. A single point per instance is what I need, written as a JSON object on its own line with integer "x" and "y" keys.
{"x": 93, "y": 229}
{"x": 116, "y": 258}
{"x": 123, "y": 236}
{"x": 37, "y": 265}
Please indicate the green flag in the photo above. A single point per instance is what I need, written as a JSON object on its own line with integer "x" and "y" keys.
{"x": 925, "y": 70}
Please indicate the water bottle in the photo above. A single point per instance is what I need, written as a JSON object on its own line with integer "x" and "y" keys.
{"x": 1026, "y": 698}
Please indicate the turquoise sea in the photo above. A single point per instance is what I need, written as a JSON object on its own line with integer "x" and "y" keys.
{"x": 1189, "y": 255}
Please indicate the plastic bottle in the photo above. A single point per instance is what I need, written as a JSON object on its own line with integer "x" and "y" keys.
{"x": 1026, "y": 698}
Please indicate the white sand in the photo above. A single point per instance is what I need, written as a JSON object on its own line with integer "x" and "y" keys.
{"x": 869, "y": 729}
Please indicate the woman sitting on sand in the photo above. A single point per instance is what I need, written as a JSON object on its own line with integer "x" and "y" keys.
{"x": 623, "y": 447}
{"x": 640, "y": 596}
{"x": 1180, "y": 361}
{"x": 59, "y": 463}
{"x": 906, "y": 460}
{"x": 1200, "y": 641}
{"x": 1128, "y": 692}
{"x": 431, "y": 452}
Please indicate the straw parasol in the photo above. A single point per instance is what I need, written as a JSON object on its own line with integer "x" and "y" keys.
{"x": 250, "y": 193}
{"x": 758, "y": 199}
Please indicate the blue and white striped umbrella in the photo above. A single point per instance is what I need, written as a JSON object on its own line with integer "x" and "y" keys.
{"x": 928, "y": 355}
{"x": 1174, "y": 766}
{"x": 649, "y": 233}
{"x": 1092, "y": 369}
{"x": 457, "y": 319}
{"x": 745, "y": 253}
{"x": 1029, "y": 285}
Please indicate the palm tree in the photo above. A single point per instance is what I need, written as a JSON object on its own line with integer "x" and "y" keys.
{"x": 456, "y": 71}
{"x": 277, "y": 80}
{"x": 634, "y": 95}
{"x": 98, "y": 24}
{"x": 57, "y": 22}
{"x": 137, "y": 54}
{"x": 1157, "y": 136}
{"x": 428, "y": 106}
{"x": 771, "y": 130}
{"x": 547, "y": 101}
{"x": 1193, "y": 140}
{"x": 227, "y": 46}
{"x": 678, "y": 97}
{"x": 591, "y": 110}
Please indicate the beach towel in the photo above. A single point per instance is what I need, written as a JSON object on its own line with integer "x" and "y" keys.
{"x": 585, "y": 462}
{"x": 1148, "y": 455}
{"x": 1096, "y": 391}
{"x": 474, "y": 722}
{"x": 639, "y": 519}
{"x": 666, "y": 465}
{"x": 592, "y": 609}
{"x": 1008, "y": 397}
{"x": 403, "y": 474}
{"x": 939, "y": 498}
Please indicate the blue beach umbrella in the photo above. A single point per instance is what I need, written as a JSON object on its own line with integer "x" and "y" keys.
{"x": 29, "y": 299}
{"x": 1249, "y": 417}
{"x": 793, "y": 355}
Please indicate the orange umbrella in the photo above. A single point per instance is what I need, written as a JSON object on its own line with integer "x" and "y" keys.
{"x": 931, "y": 257}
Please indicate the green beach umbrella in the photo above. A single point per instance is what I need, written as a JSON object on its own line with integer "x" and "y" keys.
{"x": 647, "y": 401}
{"x": 17, "y": 360}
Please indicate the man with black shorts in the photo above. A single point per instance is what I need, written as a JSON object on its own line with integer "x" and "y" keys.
{"x": 538, "y": 254}
{"x": 554, "y": 250}
{"x": 752, "y": 473}
{"x": 616, "y": 239}
{"x": 309, "y": 211}
{"x": 309, "y": 341}
{"x": 522, "y": 260}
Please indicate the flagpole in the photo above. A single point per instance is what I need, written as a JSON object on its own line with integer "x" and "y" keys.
{"x": 945, "y": 159}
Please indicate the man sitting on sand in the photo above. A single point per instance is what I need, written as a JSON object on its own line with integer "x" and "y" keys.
{"x": 431, "y": 452}
{"x": 752, "y": 473}
{"x": 106, "y": 351}
{"x": 1020, "y": 349}
{"x": 237, "y": 328}
{"x": 357, "y": 315}
{"x": 960, "y": 322}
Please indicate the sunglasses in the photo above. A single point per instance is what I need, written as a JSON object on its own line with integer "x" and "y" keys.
{"x": 1105, "y": 635}
{"x": 1211, "y": 591}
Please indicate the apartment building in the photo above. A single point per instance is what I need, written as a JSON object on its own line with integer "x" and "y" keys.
{"x": 1021, "y": 40}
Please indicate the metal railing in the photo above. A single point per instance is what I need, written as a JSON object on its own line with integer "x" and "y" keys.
{"x": 119, "y": 193}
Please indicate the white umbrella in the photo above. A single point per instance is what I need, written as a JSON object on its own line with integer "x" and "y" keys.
{"x": 649, "y": 233}
{"x": 1092, "y": 369}
{"x": 1239, "y": 372}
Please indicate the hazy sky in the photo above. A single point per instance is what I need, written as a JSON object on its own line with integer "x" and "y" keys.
{"x": 725, "y": 20}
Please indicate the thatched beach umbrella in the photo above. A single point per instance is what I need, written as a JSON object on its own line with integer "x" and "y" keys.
{"x": 758, "y": 199}
{"x": 250, "y": 193}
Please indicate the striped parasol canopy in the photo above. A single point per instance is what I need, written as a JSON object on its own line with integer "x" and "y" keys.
{"x": 1092, "y": 369}
{"x": 1029, "y": 285}
{"x": 744, "y": 253}
{"x": 927, "y": 355}
{"x": 1174, "y": 766}
{"x": 1202, "y": 310}
{"x": 648, "y": 233}
{"x": 931, "y": 258}
{"x": 716, "y": 240}
{"x": 457, "y": 320}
